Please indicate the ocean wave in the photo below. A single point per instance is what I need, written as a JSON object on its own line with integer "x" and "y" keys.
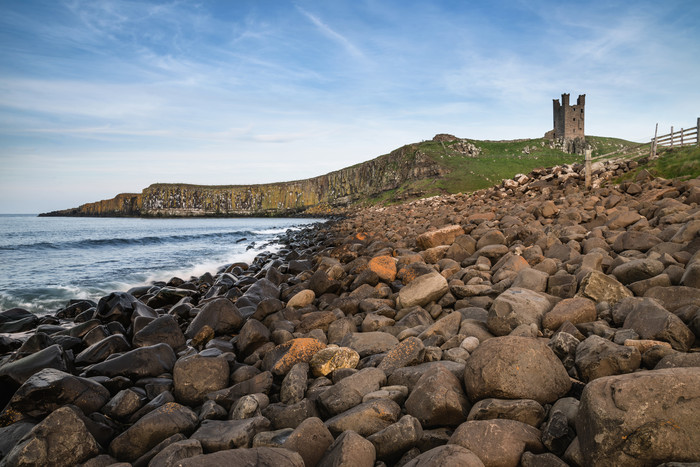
{"x": 137, "y": 241}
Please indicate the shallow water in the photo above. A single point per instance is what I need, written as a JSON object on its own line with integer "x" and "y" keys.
{"x": 46, "y": 261}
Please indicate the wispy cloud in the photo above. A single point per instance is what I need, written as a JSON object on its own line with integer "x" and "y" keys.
{"x": 332, "y": 34}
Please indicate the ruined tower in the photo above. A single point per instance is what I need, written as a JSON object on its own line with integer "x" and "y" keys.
{"x": 569, "y": 119}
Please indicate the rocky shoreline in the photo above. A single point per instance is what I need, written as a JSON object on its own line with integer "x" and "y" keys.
{"x": 534, "y": 323}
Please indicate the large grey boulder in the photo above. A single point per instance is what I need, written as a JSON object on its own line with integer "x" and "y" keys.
{"x": 366, "y": 418}
{"x": 597, "y": 357}
{"x": 349, "y": 449}
{"x": 162, "y": 329}
{"x": 219, "y": 435}
{"x": 220, "y": 314}
{"x": 423, "y": 290}
{"x": 348, "y": 392}
{"x": 438, "y": 399}
{"x": 61, "y": 439}
{"x": 153, "y": 360}
{"x": 515, "y": 307}
{"x": 643, "y": 418}
{"x": 654, "y": 322}
{"x": 511, "y": 367}
{"x": 197, "y": 375}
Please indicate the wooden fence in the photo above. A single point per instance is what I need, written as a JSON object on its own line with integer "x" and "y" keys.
{"x": 684, "y": 137}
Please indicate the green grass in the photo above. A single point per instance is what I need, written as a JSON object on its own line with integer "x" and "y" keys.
{"x": 676, "y": 163}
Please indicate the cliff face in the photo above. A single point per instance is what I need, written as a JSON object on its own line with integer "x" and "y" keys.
{"x": 274, "y": 199}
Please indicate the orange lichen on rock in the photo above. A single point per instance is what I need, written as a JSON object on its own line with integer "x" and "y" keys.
{"x": 286, "y": 355}
{"x": 384, "y": 267}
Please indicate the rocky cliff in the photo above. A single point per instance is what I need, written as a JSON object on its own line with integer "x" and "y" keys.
{"x": 274, "y": 199}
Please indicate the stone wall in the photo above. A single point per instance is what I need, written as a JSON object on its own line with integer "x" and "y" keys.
{"x": 569, "y": 119}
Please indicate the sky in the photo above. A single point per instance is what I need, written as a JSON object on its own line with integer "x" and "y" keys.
{"x": 99, "y": 97}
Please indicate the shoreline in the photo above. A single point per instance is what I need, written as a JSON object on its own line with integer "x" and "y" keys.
{"x": 470, "y": 328}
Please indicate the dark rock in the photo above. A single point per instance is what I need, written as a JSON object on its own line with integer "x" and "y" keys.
{"x": 252, "y": 335}
{"x": 349, "y": 449}
{"x": 117, "y": 306}
{"x": 175, "y": 452}
{"x": 151, "y": 429}
{"x": 219, "y": 435}
{"x": 153, "y": 360}
{"x": 293, "y": 387}
{"x": 541, "y": 460}
{"x": 438, "y": 399}
{"x": 162, "y": 329}
{"x": 260, "y": 383}
{"x": 674, "y": 297}
{"x": 654, "y": 322}
{"x": 196, "y": 376}
{"x": 515, "y": 307}
{"x": 61, "y": 439}
{"x": 366, "y": 418}
{"x": 556, "y": 433}
{"x": 100, "y": 350}
{"x": 643, "y": 418}
{"x": 391, "y": 442}
{"x": 369, "y": 343}
{"x": 290, "y": 416}
{"x": 123, "y": 405}
{"x": 310, "y": 439}
{"x": 158, "y": 401}
{"x": 409, "y": 376}
{"x": 409, "y": 351}
{"x": 20, "y": 325}
{"x": 349, "y": 392}
{"x": 679, "y": 360}
{"x": 11, "y": 435}
{"x": 597, "y": 357}
{"x": 49, "y": 389}
{"x": 36, "y": 342}
{"x": 512, "y": 367}
{"x": 220, "y": 314}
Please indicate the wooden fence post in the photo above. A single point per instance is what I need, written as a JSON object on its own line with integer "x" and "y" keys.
{"x": 697, "y": 133}
{"x": 671, "y": 137}
{"x": 588, "y": 168}
{"x": 653, "y": 144}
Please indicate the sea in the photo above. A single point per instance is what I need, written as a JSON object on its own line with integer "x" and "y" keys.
{"x": 47, "y": 261}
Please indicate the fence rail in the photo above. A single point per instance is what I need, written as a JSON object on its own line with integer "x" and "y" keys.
{"x": 683, "y": 137}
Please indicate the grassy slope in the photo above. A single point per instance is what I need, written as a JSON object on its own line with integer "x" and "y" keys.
{"x": 497, "y": 160}
{"x": 683, "y": 163}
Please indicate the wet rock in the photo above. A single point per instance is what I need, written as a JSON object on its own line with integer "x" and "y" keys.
{"x": 61, "y": 439}
{"x": 556, "y": 432}
{"x": 349, "y": 449}
{"x": 409, "y": 351}
{"x": 423, "y": 290}
{"x": 597, "y": 357}
{"x": 310, "y": 439}
{"x": 451, "y": 454}
{"x": 219, "y": 435}
{"x": 327, "y": 360}
{"x": 438, "y": 399}
{"x": 125, "y": 403}
{"x": 643, "y": 418}
{"x": 290, "y": 416}
{"x": 253, "y": 334}
{"x": 366, "y": 418}
{"x": 515, "y": 307}
{"x": 515, "y": 368}
{"x": 151, "y": 429}
{"x": 117, "y": 306}
{"x": 409, "y": 376}
{"x": 498, "y": 442}
{"x": 153, "y": 360}
{"x": 522, "y": 410}
{"x": 99, "y": 351}
{"x": 162, "y": 329}
{"x": 219, "y": 314}
{"x": 262, "y": 456}
{"x": 196, "y": 376}
{"x": 302, "y": 299}
{"x": 286, "y": 355}
{"x": 293, "y": 386}
{"x": 49, "y": 389}
{"x": 260, "y": 383}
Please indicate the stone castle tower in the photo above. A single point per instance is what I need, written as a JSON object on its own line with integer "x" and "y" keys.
{"x": 569, "y": 119}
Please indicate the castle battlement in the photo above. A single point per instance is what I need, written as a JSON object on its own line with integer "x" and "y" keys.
{"x": 569, "y": 119}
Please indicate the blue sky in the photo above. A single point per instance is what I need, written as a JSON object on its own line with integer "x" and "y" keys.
{"x": 102, "y": 97}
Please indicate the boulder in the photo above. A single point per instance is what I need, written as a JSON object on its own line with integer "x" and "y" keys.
{"x": 327, "y": 360}
{"x": 654, "y": 322}
{"x": 175, "y": 452}
{"x": 124, "y": 404}
{"x": 384, "y": 267}
{"x": 423, "y": 290}
{"x": 498, "y": 442}
{"x": 409, "y": 351}
{"x": 391, "y": 442}
{"x": 349, "y": 449}
{"x": 674, "y": 297}
{"x": 443, "y": 236}
{"x": 99, "y": 351}
{"x": 151, "y": 429}
{"x": 293, "y": 386}
{"x": 602, "y": 288}
{"x": 437, "y": 399}
{"x": 262, "y": 457}
{"x": 162, "y": 329}
{"x": 301, "y": 299}
{"x": 575, "y": 310}
{"x": 197, "y": 375}
{"x": 597, "y": 357}
{"x": 366, "y": 418}
{"x": 369, "y": 343}
{"x": 220, "y": 314}
{"x": 349, "y": 391}
{"x": 638, "y": 270}
{"x": 61, "y": 439}
{"x": 643, "y": 418}
{"x": 142, "y": 362}
{"x": 280, "y": 360}
{"x": 522, "y": 410}
{"x": 49, "y": 389}
{"x": 511, "y": 367}
{"x": 408, "y": 376}
{"x": 310, "y": 439}
{"x": 515, "y": 307}
{"x": 219, "y": 435}
{"x": 450, "y": 454}
{"x": 14, "y": 374}
{"x": 252, "y": 335}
